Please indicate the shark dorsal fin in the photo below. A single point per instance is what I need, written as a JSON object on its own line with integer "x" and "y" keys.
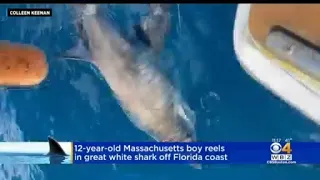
{"x": 55, "y": 148}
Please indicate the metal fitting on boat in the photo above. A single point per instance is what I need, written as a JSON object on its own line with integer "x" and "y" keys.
{"x": 295, "y": 50}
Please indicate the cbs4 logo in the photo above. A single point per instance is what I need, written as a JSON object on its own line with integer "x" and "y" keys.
{"x": 276, "y": 148}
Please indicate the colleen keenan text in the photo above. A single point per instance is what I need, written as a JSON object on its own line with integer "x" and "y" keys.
{"x": 29, "y": 12}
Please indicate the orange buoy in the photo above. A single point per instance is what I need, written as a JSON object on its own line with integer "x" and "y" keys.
{"x": 21, "y": 64}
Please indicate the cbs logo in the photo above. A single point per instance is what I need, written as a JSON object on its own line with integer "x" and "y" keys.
{"x": 276, "y": 148}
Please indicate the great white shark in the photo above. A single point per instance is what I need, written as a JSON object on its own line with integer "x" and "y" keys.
{"x": 127, "y": 64}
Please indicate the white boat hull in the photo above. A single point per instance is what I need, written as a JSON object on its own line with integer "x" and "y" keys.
{"x": 268, "y": 73}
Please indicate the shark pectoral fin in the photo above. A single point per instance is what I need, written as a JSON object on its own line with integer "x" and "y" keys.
{"x": 141, "y": 35}
{"x": 152, "y": 30}
{"x": 155, "y": 26}
{"x": 78, "y": 52}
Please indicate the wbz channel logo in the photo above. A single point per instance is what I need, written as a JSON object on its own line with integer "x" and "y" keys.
{"x": 281, "y": 154}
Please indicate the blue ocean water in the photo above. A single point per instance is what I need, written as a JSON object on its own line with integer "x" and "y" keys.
{"x": 75, "y": 103}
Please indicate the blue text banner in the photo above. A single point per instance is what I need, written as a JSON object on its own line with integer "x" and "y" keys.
{"x": 199, "y": 152}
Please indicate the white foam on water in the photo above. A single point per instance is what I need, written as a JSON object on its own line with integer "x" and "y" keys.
{"x": 10, "y": 131}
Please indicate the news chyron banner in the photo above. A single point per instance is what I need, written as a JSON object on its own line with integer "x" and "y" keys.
{"x": 202, "y": 153}
{"x": 39, "y": 12}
